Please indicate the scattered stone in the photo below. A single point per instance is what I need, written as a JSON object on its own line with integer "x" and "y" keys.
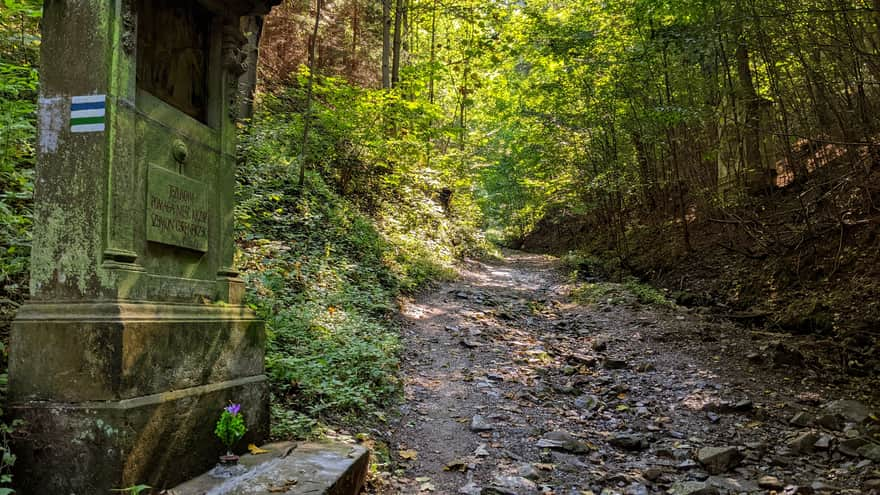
{"x": 870, "y": 451}
{"x": 830, "y": 421}
{"x": 851, "y": 432}
{"x": 564, "y": 389}
{"x": 510, "y": 485}
{"x": 802, "y": 419}
{"x": 582, "y": 359}
{"x": 732, "y": 485}
{"x": 470, "y": 489}
{"x": 797, "y": 490}
{"x": 482, "y": 451}
{"x": 718, "y": 406}
{"x": 851, "y": 446}
{"x": 824, "y": 442}
{"x": 652, "y": 474}
{"x": 692, "y": 488}
{"x": 803, "y": 443}
{"x": 822, "y": 487}
{"x": 628, "y": 441}
{"x": 528, "y": 472}
{"x": 636, "y": 489}
{"x": 718, "y": 460}
{"x": 479, "y": 423}
{"x": 852, "y": 410}
{"x": 614, "y": 364}
{"x": 587, "y": 402}
{"x": 770, "y": 483}
{"x": 563, "y": 440}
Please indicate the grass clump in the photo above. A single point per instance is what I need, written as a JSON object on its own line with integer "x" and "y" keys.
{"x": 647, "y": 294}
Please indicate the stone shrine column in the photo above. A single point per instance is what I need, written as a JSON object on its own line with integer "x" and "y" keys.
{"x": 135, "y": 336}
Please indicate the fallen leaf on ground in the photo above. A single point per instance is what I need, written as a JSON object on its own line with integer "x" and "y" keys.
{"x": 256, "y": 450}
{"x": 409, "y": 455}
{"x": 456, "y": 465}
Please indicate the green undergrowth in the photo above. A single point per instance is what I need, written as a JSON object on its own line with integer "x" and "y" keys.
{"x": 314, "y": 270}
{"x": 325, "y": 276}
{"x": 590, "y": 276}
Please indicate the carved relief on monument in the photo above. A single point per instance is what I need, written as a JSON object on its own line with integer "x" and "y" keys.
{"x": 172, "y": 53}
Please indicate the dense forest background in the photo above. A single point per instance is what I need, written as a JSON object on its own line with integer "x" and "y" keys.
{"x": 725, "y": 150}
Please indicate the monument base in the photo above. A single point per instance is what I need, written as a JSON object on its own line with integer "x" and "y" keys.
{"x": 121, "y": 394}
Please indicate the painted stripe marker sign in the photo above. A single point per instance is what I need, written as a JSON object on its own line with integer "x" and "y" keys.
{"x": 87, "y": 113}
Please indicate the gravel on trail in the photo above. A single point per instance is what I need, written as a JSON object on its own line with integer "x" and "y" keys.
{"x": 513, "y": 388}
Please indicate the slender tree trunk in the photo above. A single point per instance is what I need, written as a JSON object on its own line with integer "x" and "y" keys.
{"x": 307, "y": 115}
{"x": 355, "y": 34}
{"x": 386, "y": 44}
{"x": 398, "y": 40}
{"x": 752, "y": 118}
{"x": 433, "y": 58}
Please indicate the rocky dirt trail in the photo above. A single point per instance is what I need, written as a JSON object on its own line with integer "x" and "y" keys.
{"x": 512, "y": 388}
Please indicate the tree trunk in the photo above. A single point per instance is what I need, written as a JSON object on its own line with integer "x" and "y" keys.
{"x": 386, "y": 44}
{"x": 434, "y": 51}
{"x": 355, "y": 34}
{"x": 752, "y": 118}
{"x": 398, "y": 40}
{"x": 307, "y": 115}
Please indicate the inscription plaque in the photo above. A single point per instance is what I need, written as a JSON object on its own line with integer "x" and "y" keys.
{"x": 177, "y": 210}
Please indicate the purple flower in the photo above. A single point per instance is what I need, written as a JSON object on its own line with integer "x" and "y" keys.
{"x": 233, "y": 409}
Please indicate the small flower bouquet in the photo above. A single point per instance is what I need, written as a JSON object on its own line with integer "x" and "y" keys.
{"x": 230, "y": 428}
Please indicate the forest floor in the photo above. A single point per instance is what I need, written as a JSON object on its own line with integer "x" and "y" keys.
{"x": 511, "y": 387}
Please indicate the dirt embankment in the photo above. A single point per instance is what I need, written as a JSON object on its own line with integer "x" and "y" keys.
{"x": 804, "y": 261}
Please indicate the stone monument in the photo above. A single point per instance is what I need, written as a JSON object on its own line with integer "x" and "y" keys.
{"x": 135, "y": 336}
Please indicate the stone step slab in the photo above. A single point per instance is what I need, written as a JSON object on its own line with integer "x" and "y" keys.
{"x": 288, "y": 468}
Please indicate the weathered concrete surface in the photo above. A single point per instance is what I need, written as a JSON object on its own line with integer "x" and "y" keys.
{"x": 115, "y": 351}
{"x": 136, "y": 334}
{"x": 91, "y": 447}
{"x": 311, "y": 468}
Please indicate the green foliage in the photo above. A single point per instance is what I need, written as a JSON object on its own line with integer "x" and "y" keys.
{"x": 325, "y": 263}
{"x": 8, "y": 459}
{"x": 19, "y": 44}
{"x": 315, "y": 271}
{"x": 592, "y": 293}
{"x": 230, "y": 427}
{"x": 647, "y": 294}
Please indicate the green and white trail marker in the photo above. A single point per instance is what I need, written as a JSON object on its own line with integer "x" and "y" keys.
{"x": 88, "y": 113}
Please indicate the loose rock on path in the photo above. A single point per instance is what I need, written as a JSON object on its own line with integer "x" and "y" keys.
{"x": 512, "y": 388}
